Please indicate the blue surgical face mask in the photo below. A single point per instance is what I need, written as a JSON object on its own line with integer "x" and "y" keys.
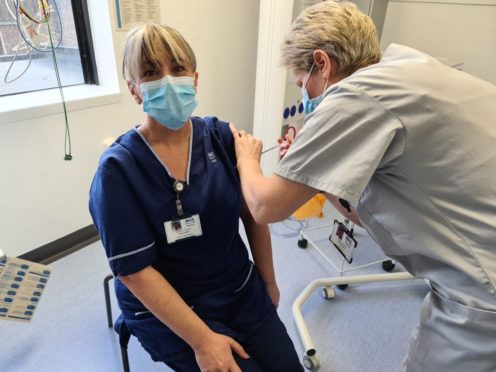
{"x": 170, "y": 100}
{"x": 309, "y": 104}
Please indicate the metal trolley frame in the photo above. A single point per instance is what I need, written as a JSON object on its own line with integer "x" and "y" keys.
{"x": 310, "y": 358}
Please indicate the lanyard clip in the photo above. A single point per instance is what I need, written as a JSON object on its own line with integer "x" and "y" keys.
{"x": 179, "y": 187}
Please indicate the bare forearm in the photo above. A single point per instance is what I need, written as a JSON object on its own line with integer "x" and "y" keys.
{"x": 270, "y": 199}
{"x": 160, "y": 298}
{"x": 261, "y": 250}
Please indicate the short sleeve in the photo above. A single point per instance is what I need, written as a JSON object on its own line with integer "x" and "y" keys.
{"x": 348, "y": 138}
{"x": 121, "y": 220}
{"x": 223, "y": 133}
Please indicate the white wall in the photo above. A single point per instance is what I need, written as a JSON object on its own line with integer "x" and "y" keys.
{"x": 223, "y": 34}
{"x": 43, "y": 198}
{"x": 453, "y": 30}
{"x": 275, "y": 20}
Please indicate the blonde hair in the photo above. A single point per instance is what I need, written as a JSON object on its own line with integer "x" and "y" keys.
{"x": 340, "y": 29}
{"x": 147, "y": 43}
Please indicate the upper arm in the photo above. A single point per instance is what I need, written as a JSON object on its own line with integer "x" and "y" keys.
{"x": 145, "y": 279}
{"x": 121, "y": 222}
{"x": 279, "y": 198}
{"x": 245, "y": 214}
{"x": 134, "y": 279}
{"x": 253, "y": 229}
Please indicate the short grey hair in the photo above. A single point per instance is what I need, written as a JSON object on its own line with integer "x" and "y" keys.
{"x": 147, "y": 43}
{"x": 340, "y": 29}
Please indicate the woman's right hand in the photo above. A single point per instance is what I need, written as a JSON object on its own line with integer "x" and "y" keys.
{"x": 215, "y": 354}
{"x": 284, "y": 144}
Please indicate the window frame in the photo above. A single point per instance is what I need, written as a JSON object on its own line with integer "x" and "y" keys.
{"x": 35, "y": 104}
{"x": 85, "y": 41}
{"x": 85, "y": 49}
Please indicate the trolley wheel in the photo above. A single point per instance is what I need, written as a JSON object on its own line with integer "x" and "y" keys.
{"x": 302, "y": 243}
{"x": 311, "y": 360}
{"x": 328, "y": 293}
{"x": 342, "y": 286}
{"x": 388, "y": 265}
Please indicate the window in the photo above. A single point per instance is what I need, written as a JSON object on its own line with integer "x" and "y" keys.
{"x": 26, "y": 60}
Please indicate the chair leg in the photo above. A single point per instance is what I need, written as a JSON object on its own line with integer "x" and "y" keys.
{"x": 125, "y": 359}
{"x": 124, "y": 336}
{"x": 107, "y": 298}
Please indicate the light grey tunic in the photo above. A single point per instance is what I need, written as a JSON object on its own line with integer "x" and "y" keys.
{"x": 412, "y": 143}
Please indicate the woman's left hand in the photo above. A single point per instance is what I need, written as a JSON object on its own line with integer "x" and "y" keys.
{"x": 247, "y": 146}
{"x": 273, "y": 293}
{"x": 284, "y": 144}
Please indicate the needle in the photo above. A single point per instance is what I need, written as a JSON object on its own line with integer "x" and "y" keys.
{"x": 269, "y": 149}
{"x": 263, "y": 152}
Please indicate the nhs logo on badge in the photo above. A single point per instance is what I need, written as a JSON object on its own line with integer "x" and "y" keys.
{"x": 211, "y": 156}
{"x": 189, "y": 221}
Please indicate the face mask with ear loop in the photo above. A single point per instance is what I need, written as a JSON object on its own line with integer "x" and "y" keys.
{"x": 170, "y": 100}
{"x": 309, "y": 104}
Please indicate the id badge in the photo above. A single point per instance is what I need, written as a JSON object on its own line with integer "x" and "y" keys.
{"x": 343, "y": 240}
{"x": 183, "y": 228}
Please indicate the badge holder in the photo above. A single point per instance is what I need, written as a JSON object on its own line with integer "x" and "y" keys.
{"x": 342, "y": 235}
{"x": 182, "y": 226}
{"x": 22, "y": 283}
{"x": 342, "y": 238}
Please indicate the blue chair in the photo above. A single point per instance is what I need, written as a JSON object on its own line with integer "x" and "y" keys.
{"x": 119, "y": 326}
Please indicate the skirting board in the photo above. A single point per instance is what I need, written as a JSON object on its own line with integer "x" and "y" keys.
{"x": 62, "y": 247}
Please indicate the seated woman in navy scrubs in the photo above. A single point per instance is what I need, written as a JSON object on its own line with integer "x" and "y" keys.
{"x": 166, "y": 201}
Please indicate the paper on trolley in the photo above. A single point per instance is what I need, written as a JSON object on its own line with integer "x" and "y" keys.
{"x": 21, "y": 286}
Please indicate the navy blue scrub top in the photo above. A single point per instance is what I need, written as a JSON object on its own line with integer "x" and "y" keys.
{"x": 130, "y": 199}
